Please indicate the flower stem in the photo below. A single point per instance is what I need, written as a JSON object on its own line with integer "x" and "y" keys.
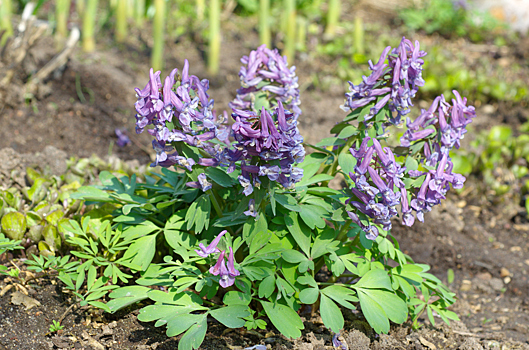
{"x": 343, "y": 232}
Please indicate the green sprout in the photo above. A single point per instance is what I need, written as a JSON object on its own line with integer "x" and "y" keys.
{"x": 290, "y": 36}
{"x": 89, "y": 20}
{"x": 55, "y": 326}
{"x": 214, "y": 37}
{"x": 158, "y": 33}
{"x": 333, "y": 18}
{"x": 121, "y": 21}
{"x": 5, "y": 21}
{"x": 62, "y": 10}
{"x": 264, "y": 23}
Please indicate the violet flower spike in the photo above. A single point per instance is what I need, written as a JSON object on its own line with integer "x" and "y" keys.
{"x": 211, "y": 248}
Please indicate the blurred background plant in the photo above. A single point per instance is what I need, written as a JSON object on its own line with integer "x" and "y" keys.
{"x": 499, "y": 159}
{"x": 451, "y": 19}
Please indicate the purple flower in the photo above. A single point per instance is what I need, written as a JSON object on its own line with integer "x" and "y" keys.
{"x": 185, "y": 162}
{"x": 231, "y": 268}
{"x": 123, "y": 138}
{"x": 183, "y": 105}
{"x": 336, "y": 343}
{"x": 202, "y": 183}
{"x": 216, "y": 269}
{"x": 270, "y": 137}
{"x": 252, "y": 210}
{"x": 211, "y": 248}
{"x": 227, "y": 274}
{"x": 246, "y": 185}
{"x": 160, "y": 148}
{"x": 394, "y": 83}
{"x": 266, "y": 72}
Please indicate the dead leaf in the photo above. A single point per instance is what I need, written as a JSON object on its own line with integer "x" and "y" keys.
{"x": 18, "y": 298}
{"x": 92, "y": 342}
{"x": 427, "y": 343}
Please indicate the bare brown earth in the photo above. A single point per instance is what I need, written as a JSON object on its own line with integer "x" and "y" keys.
{"x": 483, "y": 241}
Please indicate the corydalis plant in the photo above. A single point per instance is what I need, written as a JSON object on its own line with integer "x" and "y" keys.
{"x": 251, "y": 220}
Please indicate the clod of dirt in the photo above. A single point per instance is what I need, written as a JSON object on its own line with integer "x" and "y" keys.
{"x": 357, "y": 340}
{"x": 18, "y": 298}
{"x": 471, "y": 344}
{"x": 386, "y": 342}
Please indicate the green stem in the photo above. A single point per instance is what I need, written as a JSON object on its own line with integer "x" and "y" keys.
{"x": 290, "y": 35}
{"x": 89, "y": 20}
{"x": 5, "y": 20}
{"x": 201, "y": 5}
{"x": 139, "y": 12}
{"x": 264, "y": 23}
{"x": 80, "y": 7}
{"x": 121, "y": 21}
{"x": 301, "y": 34}
{"x": 214, "y": 37}
{"x": 158, "y": 222}
{"x": 158, "y": 32}
{"x": 216, "y": 205}
{"x": 333, "y": 18}
{"x": 62, "y": 10}
{"x": 343, "y": 231}
{"x": 359, "y": 35}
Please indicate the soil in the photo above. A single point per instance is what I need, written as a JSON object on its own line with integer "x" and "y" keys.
{"x": 76, "y": 112}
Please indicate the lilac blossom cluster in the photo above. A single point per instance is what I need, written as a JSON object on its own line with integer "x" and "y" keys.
{"x": 178, "y": 110}
{"x": 378, "y": 198}
{"x": 266, "y": 72}
{"x": 227, "y": 273}
{"x": 378, "y": 202}
{"x": 268, "y": 145}
{"x": 393, "y": 83}
{"x": 445, "y": 124}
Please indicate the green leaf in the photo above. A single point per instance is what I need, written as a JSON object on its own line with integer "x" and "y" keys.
{"x": 125, "y": 296}
{"x": 330, "y": 141}
{"x": 306, "y": 181}
{"x": 302, "y": 237}
{"x": 348, "y": 131}
{"x": 293, "y": 256}
{"x": 347, "y": 162}
{"x": 309, "y": 295}
{"x": 142, "y": 251}
{"x": 411, "y": 164}
{"x": 231, "y": 316}
{"x": 394, "y": 307}
{"x": 260, "y": 239}
{"x": 90, "y": 193}
{"x": 14, "y": 225}
{"x": 194, "y": 337}
{"x": 285, "y": 319}
{"x": 374, "y": 279}
{"x": 267, "y": 287}
{"x": 252, "y": 227}
{"x": 331, "y": 314}
{"x": 373, "y": 312}
{"x": 237, "y": 298}
{"x": 220, "y": 177}
{"x": 313, "y": 216}
{"x": 341, "y": 295}
{"x": 287, "y": 201}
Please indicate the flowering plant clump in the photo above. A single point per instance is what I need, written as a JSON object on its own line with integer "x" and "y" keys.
{"x": 242, "y": 226}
